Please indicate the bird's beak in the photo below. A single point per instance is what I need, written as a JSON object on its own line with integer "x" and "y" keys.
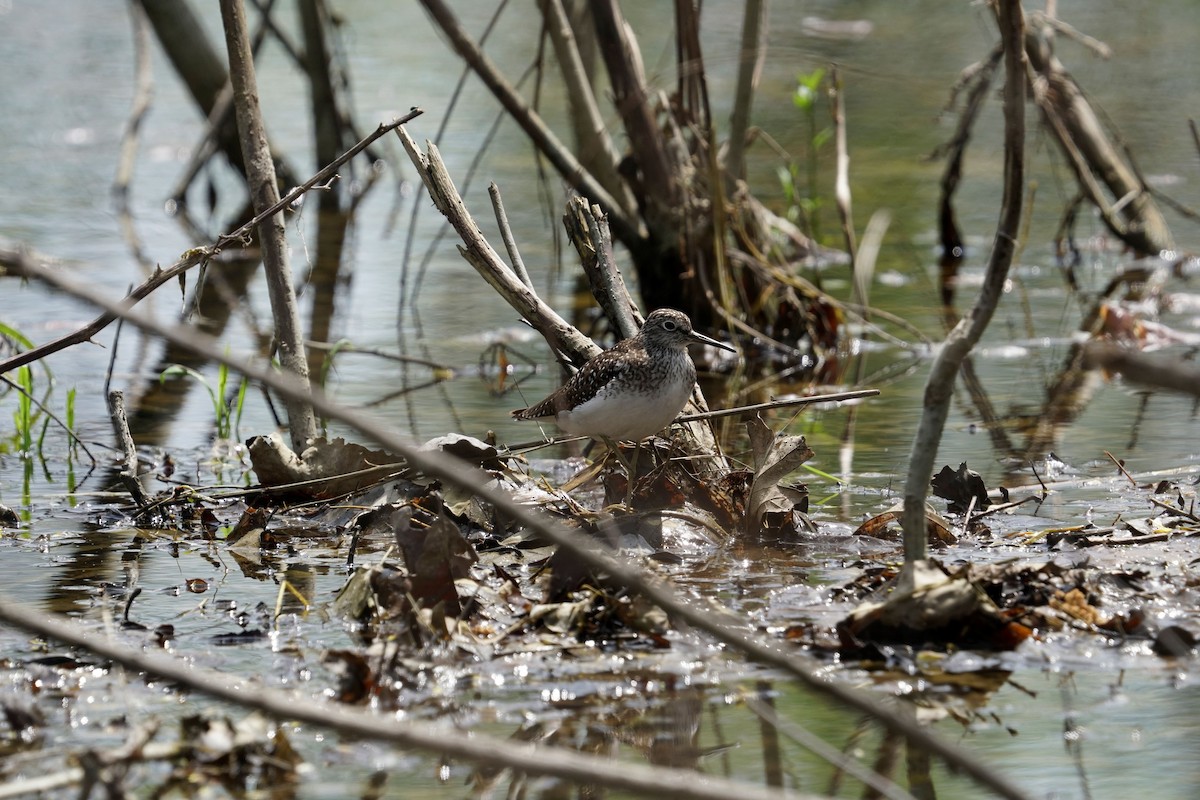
{"x": 700, "y": 338}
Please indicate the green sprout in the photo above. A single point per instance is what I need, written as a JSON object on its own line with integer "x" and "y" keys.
{"x": 802, "y": 202}
{"x": 23, "y": 417}
{"x": 228, "y": 415}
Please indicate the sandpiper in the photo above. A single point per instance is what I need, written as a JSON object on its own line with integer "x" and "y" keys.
{"x": 633, "y": 390}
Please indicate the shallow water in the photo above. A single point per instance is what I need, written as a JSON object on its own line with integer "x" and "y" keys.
{"x": 69, "y": 87}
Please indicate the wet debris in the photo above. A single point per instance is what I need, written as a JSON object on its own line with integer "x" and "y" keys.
{"x": 997, "y": 607}
{"x": 774, "y": 509}
{"x": 1174, "y": 641}
{"x": 337, "y": 468}
{"x": 437, "y": 555}
{"x": 886, "y": 526}
{"x": 967, "y": 497}
{"x": 963, "y": 488}
{"x": 241, "y": 755}
{"x": 928, "y": 604}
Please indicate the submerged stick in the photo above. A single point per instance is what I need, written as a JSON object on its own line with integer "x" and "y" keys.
{"x": 129, "y": 468}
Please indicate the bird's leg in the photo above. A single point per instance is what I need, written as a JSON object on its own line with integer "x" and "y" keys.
{"x": 632, "y": 473}
{"x": 615, "y": 449}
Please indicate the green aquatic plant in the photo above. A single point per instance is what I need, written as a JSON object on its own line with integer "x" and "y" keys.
{"x": 30, "y": 410}
{"x": 802, "y": 198}
{"x": 228, "y": 414}
{"x": 24, "y": 417}
{"x": 70, "y": 418}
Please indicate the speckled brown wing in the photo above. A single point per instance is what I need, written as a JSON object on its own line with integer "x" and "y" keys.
{"x": 584, "y": 385}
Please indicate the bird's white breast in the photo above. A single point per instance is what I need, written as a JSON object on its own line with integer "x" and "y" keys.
{"x": 628, "y": 416}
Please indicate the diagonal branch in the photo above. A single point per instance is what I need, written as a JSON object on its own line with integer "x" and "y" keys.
{"x": 561, "y": 335}
{"x": 630, "y": 94}
{"x": 596, "y": 148}
{"x": 29, "y": 265}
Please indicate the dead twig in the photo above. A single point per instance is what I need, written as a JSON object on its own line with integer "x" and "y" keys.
{"x": 1150, "y": 370}
{"x": 506, "y": 235}
{"x": 129, "y": 468}
{"x": 337, "y": 348}
{"x": 26, "y": 263}
{"x": 1120, "y": 467}
{"x": 561, "y": 335}
{"x": 960, "y": 340}
{"x": 1174, "y": 510}
{"x": 836, "y": 397}
{"x": 272, "y": 230}
{"x": 587, "y": 228}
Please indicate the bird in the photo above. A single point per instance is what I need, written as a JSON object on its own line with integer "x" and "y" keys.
{"x": 633, "y": 390}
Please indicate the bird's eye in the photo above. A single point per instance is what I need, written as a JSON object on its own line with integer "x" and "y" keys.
{"x": 668, "y": 325}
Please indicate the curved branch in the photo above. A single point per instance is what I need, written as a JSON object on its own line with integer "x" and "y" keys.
{"x": 969, "y": 329}
{"x": 596, "y": 147}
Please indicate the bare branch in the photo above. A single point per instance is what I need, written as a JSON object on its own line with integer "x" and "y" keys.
{"x": 559, "y": 155}
{"x": 129, "y": 467}
{"x": 506, "y": 235}
{"x": 561, "y": 335}
{"x": 1162, "y": 372}
{"x": 966, "y": 333}
{"x": 587, "y": 228}
{"x": 272, "y": 231}
{"x": 596, "y": 149}
{"x": 751, "y": 56}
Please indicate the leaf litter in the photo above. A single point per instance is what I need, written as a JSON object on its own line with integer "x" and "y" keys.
{"x": 441, "y": 602}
